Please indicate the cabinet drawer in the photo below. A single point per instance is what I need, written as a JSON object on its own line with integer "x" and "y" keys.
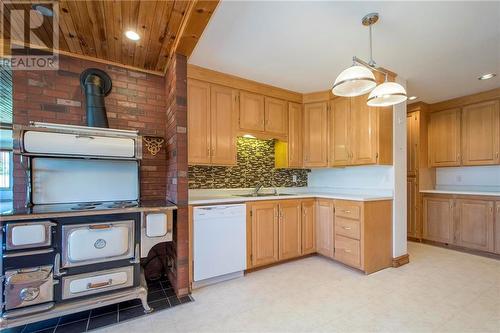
{"x": 347, "y": 251}
{"x": 347, "y": 211}
{"x": 97, "y": 282}
{"x": 348, "y": 228}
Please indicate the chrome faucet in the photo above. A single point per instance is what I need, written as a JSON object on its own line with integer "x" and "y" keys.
{"x": 256, "y": 190}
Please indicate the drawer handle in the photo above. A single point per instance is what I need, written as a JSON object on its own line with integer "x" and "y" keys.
{"x": 99, "y": 226}
{"x": 347, "y": 211}
{"x": 91, "y": 285}
{"x": 347, "y": 251}
{"x": 346, "y": 228}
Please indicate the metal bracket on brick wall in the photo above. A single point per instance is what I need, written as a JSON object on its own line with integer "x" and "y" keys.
{"x": 153, "y": 144}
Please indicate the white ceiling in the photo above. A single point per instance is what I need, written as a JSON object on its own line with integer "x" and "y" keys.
{"x": 440, "y": 48}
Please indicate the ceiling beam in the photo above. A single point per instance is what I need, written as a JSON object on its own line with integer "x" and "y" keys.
{"x": 196, "y": 18}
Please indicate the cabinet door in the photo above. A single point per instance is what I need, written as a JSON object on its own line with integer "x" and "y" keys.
{"x": 412, "y": 143}
{"x": 363, "y": 125}
{"x": 251, "y": 112}
{"x": 444, "y": 138}
{"x": 308, "y": 227}
{"x": 474, "y": 228}
{"x": 198, "y": 105}
{"x": 223, "y": 131}
{"x": 295, "y": 122}
{"x": 315, "y": 135}
{"x": 438, "y": 219}
{"x": 324, "y": 228}
{"x": 497, "y": 227}
{"x": 264, "y": 233}
{"x": 290, "y": 229}
{"x": 338, "y": 120}
{"x": 480, "y": 134}
{"x": 412, "y": 208}
{"x": 276, "y": 116}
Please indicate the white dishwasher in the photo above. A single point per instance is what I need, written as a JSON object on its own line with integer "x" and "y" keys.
{"x": 219, "y": 249}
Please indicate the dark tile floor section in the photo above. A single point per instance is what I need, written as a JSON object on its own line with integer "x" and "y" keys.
{"x": 161, "y": 296}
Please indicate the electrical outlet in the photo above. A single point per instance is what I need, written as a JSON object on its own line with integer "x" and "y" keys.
{"x": 294, "y": 178}
{"x": 459, "y": 178}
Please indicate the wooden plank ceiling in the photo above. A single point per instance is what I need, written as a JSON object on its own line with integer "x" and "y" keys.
{"x": 95, "y": 29}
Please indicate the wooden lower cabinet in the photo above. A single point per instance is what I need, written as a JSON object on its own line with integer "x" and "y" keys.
{"x": 265, "y": 233}
{"x": 471, "y": 222}
{"x": 497, "y": 227}
{"x": 290, "y": 227}
{"x": 324, "y": 227}
{"x": 412, "y": 219}
{"x": 358, "y": 234}
{"x": 363, "y": 234}
{"x": 438, "y": 219}
{"x": 308, "y": 226}
{"x": 474, "y": 227}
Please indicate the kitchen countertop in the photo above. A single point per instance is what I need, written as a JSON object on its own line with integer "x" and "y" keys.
{"x": 207, "y": 197}
{"x": 32, "y": 213}
{"x": 462, "y": 192}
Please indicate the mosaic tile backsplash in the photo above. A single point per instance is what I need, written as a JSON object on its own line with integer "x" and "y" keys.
{"x": 255, "y": 165}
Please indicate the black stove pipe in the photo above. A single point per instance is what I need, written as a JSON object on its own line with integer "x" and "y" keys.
{"x": 96, "y": 84}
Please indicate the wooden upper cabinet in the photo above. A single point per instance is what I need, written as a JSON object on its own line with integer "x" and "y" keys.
{"x": 481, "y": 134}
{"x": 223, "y": 125}
{"x": 444, "y": 138}
{"x": 412, "y": 135}
{"x": 338, "y": 120}
{"x": 276, "y": 116}
{"x": 364, "y": 132}
{"x": 290, "y": 233}
{"x": 295, "y": 118}
{"x": 198, "y": 122}
{"x": 308, "y": 227}
{"x": 438, "y": 219}
{"x": 315, "y": 147}
{"x": 474, "y": 227}
{"x": 324, "y": 227}
{"x": 265, "y": 229}
{"x": 252, "y": 115}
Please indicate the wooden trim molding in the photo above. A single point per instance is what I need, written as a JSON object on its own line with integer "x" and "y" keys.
{"x": 466, "y": 100}
{"x": 401, "y": 260}
{"x": 228, "y": 80}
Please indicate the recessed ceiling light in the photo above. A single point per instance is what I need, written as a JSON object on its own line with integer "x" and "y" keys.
{"x": 132, "y": 35}
{"x": 486, "y": 76}
{"x": 412, "y": 98}
{"x": 45, "y": 11}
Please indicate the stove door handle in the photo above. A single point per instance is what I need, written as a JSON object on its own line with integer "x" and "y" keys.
{"x": 100, "y": 226}
{"x": 57, "y": 266}
{"x": 91, "y": 285}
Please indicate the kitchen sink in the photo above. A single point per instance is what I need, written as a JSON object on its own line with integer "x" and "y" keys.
{"x": 252, "y": 195}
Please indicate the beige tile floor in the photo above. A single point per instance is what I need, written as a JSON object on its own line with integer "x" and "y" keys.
{"x": 439, "y": 291}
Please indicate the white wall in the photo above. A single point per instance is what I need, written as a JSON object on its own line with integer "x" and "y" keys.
{"x": 473, "y": 178}
{"x": 399, "y": 239}
{"x": 362, "y": 177}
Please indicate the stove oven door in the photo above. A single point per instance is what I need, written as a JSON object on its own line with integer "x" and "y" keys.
{"x": 90, "y": 243}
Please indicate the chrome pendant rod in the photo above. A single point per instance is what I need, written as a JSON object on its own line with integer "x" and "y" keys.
{"x": 367, "y": 65}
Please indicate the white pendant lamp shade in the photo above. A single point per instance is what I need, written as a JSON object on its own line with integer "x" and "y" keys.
{"x": 387, "y": 94}
{"x": 354, "y": 81}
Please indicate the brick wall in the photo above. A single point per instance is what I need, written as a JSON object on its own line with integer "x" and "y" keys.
{"x": 177, "y": 182}
{"x": 136, "y": 102}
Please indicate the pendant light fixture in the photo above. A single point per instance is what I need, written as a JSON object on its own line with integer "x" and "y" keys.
{"x": 359, "y": 79}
